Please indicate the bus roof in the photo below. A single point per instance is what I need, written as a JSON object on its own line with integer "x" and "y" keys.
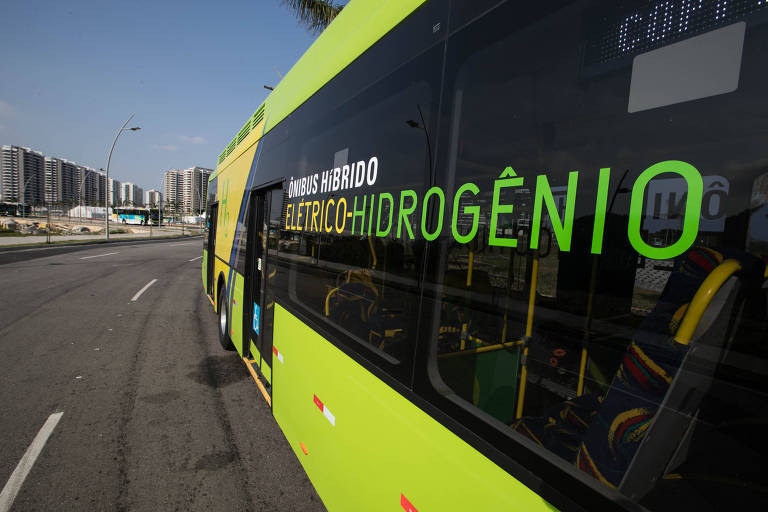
{"x": 359, "y": 25}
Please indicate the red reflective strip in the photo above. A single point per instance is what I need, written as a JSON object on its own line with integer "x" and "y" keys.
{"x": 407, "y": 506}
{"x": 274, "y": 350}
{"x": 318, "y": 403}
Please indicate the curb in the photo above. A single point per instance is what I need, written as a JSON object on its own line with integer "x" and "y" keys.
{"x": 66, "y": 243}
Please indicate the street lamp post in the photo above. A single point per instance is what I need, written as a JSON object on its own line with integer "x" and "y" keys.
{"x": 199, "y": 201}
{"x": 80, "y": 192}
{"x": 109, "y": 159}
{"x": 23, "y": 195}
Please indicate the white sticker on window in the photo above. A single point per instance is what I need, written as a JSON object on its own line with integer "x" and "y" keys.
{"x": 699, "y": 67}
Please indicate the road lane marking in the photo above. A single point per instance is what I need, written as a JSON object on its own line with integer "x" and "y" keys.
{"x": 99, "y": 255}
{"x": 185, "y": 243}
{"x": 138, "y": 294}
{"x": 194, "y": 259}
{"x": 19, "y": 474}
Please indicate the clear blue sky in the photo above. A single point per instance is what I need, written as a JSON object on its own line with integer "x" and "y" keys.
{"x": 193, "y": 72}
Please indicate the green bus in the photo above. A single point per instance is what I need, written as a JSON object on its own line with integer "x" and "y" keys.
{"x": 499, "y": 255}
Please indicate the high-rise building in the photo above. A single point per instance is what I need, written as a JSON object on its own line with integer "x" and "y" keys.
{"x": 171, "y": 189}
{"x": 29, "y": 176}
{"x": 131, "y": 194}
{"x": 113, "y": 189}
{"x": 92, "y": 185}
{"x": 61, "y": 184}
{"x": 185, "y": 190}
{"x": 22, "y": 175}
{"x": 153, "y": 198}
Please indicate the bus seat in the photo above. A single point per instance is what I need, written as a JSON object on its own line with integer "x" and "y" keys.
{"x": 355, "y": 303}
{"x": 628, "y": 437}
{"x": 649, "y": 410}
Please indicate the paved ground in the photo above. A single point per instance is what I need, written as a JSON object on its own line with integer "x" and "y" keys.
{"x": 156, "y": 416}
{"x": 142, "y": 232}
{"x": 41, "y": 239}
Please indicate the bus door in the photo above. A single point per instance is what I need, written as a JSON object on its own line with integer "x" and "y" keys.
{"x": 211, "y": 245}
{"x": 259, "y": 345}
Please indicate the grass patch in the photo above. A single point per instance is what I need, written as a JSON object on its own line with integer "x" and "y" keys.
{"x": 8, "y": 232}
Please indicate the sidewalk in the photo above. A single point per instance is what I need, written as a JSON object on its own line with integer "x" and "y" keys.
{"x": 97, "y": 233}
{"x": 10, "y": 241}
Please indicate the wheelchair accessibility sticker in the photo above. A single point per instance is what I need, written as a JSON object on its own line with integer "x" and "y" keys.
{"x": 255, "y": 318}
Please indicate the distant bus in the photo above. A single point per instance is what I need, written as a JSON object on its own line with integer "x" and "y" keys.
{"x": 156, "y": 216}
{"x": 141, "y": 216}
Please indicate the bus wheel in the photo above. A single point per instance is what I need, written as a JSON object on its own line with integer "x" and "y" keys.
{"x": 224, "y": 338}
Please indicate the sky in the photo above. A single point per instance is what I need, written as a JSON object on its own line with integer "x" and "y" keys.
{"x": 192, "y": 72}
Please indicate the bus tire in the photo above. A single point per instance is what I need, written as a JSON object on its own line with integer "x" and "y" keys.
{"x": 224, "y": 339}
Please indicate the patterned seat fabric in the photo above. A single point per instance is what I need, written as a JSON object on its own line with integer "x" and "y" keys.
{"x": 601, "y": 434}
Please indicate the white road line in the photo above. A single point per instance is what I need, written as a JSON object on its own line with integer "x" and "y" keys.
{"x": 99, "y": 255}
{"x": 185, "y": 243}
{"x": 19, "y": 474}
{"x": 138, "y": 294}
{"x": 194, "y": 259}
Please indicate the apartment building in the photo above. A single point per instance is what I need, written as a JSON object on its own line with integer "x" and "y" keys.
{"x": 93, "y": 185}
{"x": 29, "y": 176}
{"x": 153, "y": 197}
{"x": 185, "y": 190}
{"x": 131, "y": 194}
{"x": 22, "y": 175}
{"x": 61, "y": 181}
{"x": 113, "y": 191}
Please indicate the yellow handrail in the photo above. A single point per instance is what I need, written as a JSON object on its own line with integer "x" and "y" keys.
{"x": 588, "y": 328}
{"x": 703, "y": 297}
{"x": 528, "y": 332}
{"x": 469, "y": 267}
{"x": 373, "y": 253}
{"x": 328, "y": 300}
{"x": 480, "y": 350}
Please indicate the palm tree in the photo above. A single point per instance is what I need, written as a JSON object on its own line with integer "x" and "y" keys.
{"x": 314, "y": 14}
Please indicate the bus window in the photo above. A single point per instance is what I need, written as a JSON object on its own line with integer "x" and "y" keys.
{"x": 355, "y": 262}
{"x": 590, "y": 219}
{"x": 758, "y": 220}
{"x": 241, "y": 237}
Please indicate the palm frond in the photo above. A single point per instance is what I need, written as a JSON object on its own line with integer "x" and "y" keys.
{"x": 315, "y": 15}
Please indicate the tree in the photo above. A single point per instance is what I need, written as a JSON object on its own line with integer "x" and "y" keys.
{"x": 314, "y": 14}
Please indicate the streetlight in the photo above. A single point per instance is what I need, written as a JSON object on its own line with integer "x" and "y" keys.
{"x": 23, "y": 196}
{"x": 109, "y": 159}
{"x": 80, "y": 192}
{"x": 199, "y": 199}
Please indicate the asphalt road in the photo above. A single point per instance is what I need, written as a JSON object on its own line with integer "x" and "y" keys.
{"x": 156, "y": 416}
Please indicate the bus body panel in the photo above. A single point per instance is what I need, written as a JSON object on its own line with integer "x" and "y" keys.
{"x": 236, "y": 313}
{"x": 232, "y": 181}
{"x": 367, "y": 445}
{"x": 219, "y": 269}
{"x": 231, "y": 184}
{"x": 204, "y": 270}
